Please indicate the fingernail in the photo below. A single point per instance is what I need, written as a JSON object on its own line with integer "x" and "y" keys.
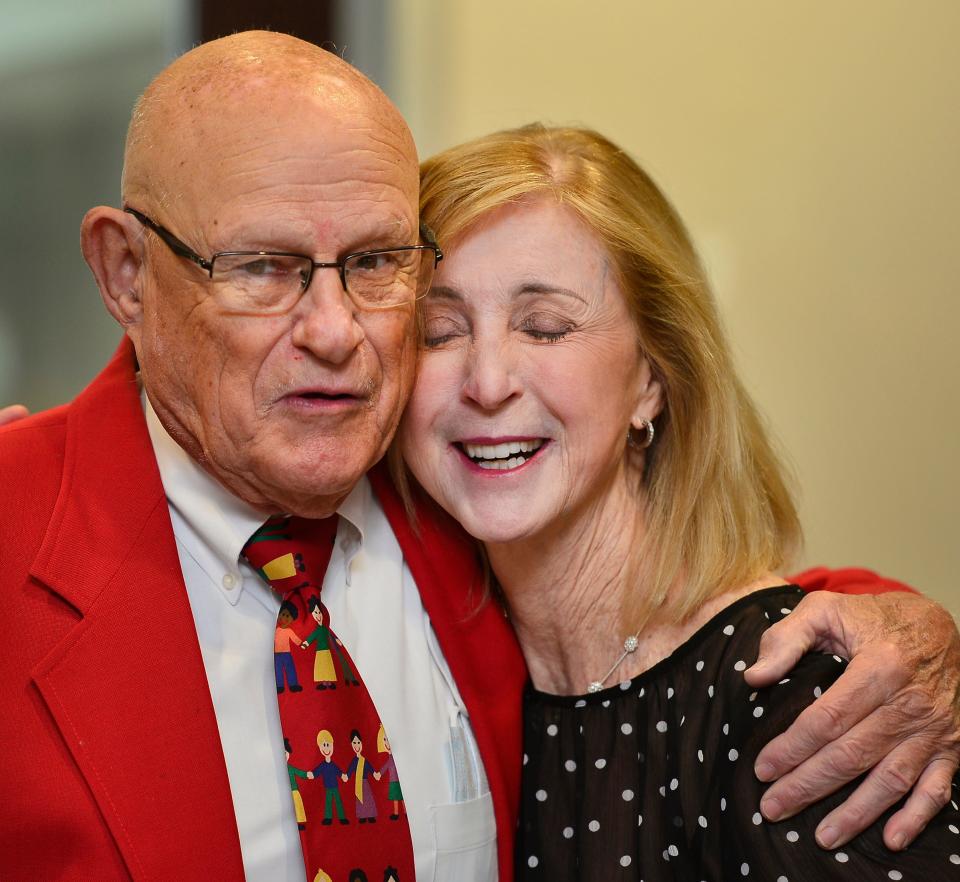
{"x": 899, "y": 842}
{"x": 764, "y": 771}
{"x": 771, "y": 808}
{"x": 828, "y": 836}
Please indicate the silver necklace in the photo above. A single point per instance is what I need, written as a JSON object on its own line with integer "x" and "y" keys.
{"x": 629, "y": 645}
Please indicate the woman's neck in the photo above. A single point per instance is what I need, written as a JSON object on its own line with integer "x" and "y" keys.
{"x": 565, "y": 589}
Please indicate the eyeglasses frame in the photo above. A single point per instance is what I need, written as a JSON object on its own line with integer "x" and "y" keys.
{"x": 181, "y": 249}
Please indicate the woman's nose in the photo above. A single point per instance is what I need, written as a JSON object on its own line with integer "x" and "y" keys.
{"x": 492, "y": 378}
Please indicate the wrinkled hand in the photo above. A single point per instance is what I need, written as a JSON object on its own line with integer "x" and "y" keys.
{"x": 12, "y": 413}
{"x": 896, "y": 710}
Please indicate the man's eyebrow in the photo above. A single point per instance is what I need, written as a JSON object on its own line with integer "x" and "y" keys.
{"x": 396, "y": 234}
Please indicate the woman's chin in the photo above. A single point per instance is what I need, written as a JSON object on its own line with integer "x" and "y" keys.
{"x": 495, "y": 527}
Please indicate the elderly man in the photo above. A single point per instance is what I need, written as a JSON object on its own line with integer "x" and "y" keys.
{"x": 264, "y": 181}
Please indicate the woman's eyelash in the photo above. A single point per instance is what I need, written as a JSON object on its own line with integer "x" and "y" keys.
{"x": 440, "y": 335}
{"x": 439, "y": 340}
{"x": 546, "y": 336}
{"x": 545, "y": 327}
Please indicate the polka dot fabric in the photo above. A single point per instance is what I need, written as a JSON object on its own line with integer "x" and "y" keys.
{"x": 652, "y": 779}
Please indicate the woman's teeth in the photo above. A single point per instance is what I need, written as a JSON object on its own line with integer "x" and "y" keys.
{"x": 507, "y": 455}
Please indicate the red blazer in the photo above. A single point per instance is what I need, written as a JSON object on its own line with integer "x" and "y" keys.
{"x": 110, "y": 759}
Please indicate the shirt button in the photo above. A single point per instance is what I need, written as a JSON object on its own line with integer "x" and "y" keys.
{"x": 229, "y": 581}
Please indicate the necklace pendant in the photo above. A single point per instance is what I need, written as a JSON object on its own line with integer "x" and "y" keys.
{"x": 631, "y": 643}
{"x": 595, "y": 686}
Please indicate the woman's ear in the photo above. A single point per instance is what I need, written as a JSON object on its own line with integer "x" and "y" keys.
{"x": 112, "y": 245}
{"x": 650, "y": 395}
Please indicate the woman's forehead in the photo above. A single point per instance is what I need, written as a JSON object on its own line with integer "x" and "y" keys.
{"x": 534, "y": 247}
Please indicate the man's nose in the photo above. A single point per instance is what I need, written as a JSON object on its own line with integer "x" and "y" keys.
{"x": 327, "y": 322}
{"x": 491, "y": 379}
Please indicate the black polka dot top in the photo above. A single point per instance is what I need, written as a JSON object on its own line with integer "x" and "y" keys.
{"x": 653, "y": 779}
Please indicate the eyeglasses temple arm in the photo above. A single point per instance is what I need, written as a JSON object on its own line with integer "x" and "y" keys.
{"x": 427, "y": 235}
{"x": 173, "y": 243}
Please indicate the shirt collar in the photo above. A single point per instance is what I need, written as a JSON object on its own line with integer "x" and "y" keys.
{"x": 224, "y": 522}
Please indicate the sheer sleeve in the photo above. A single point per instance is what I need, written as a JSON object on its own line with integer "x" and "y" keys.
{"x": 787, "y": 850}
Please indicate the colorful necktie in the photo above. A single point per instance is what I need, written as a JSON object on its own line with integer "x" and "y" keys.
{"x": 330, "y": 725}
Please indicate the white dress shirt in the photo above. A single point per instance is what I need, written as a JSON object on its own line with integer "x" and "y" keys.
{"x": 375, "y": 610}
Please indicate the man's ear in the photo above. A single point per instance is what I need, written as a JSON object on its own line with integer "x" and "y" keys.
{"x": 112, "y": 245}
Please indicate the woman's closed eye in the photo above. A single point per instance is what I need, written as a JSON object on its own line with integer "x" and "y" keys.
{"x": 440, "y": 329}
{"x": 545, "y": 327}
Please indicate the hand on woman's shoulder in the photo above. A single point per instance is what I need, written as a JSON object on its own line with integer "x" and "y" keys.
{"x": 788, "y": 849}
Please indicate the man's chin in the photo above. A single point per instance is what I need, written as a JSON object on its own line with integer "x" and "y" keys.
{"x": 314, "y": 507}
{"x": 311, "y": 490}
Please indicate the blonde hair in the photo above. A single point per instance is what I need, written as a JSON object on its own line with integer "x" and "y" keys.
{"x": 718, "y": 513}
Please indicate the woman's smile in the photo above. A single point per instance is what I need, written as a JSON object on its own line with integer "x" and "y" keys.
{"x": 500, "y": 455}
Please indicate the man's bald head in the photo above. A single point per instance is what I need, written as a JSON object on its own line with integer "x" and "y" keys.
{"x": 173, "y": 119}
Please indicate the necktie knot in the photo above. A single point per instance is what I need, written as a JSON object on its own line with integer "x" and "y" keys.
{"x": 290, "y": 552}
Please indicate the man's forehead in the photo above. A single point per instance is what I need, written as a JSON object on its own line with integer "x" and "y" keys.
{"x": 318, "y": 173}
{"x": 311, "y": 167}
{"x": 264, "y": 95}
{"x": 256, "y": 85}
{"x": 320, "y": 116}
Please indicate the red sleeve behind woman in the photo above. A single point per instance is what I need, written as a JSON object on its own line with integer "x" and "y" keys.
{"x": 847, "y": 581}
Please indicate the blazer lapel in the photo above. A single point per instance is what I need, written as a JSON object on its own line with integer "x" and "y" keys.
{"x": 477, "y": 641}
{"x": 126, "y": 684}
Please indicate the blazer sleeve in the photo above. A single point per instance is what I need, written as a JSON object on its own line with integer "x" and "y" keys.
{"x": 849, "y": 580}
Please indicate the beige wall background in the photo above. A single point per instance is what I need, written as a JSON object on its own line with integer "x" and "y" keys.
{"x": 813, "y": 150}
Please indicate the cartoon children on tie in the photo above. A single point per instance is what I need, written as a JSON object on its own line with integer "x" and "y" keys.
{"x": 362, "y": 791}
{"x": 282, "y": 657}
{"x": 324, "y": 640}
{"x": 331, "y": 775}
{"x": 390, "y": 767}
{"x": 324, "y": 674}
{"x": 295, "y": 773}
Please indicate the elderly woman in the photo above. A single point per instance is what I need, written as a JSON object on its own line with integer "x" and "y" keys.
{"x": 577, "y": 411}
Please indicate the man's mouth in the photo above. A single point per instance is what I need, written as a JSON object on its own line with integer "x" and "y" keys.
{"x": 504, "y": 455}
{"x": 325, "y": 396}
{"x": 322, "y": 398}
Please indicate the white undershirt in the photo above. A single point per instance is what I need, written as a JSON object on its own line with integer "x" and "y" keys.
{"x": 376, "y": 611}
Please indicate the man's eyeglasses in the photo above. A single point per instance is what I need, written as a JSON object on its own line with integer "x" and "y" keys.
{"x": 271, "y": 282}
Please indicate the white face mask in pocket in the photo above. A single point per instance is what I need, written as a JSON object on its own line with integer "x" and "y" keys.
{"x": 465, "y": 830}
{"x": 466, "y": 841}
